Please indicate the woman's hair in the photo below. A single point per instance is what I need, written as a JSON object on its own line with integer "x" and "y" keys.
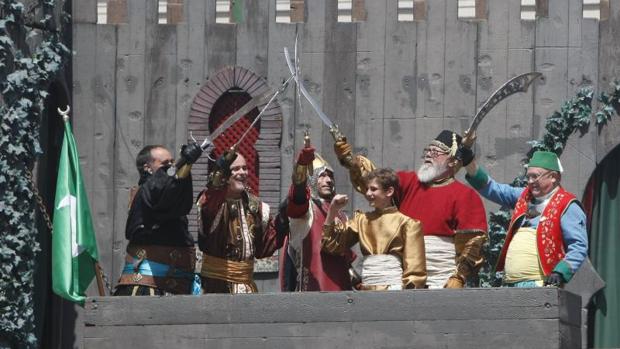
{"x": 386, "y": 177}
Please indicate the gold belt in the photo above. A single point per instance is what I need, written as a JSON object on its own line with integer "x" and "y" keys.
{"x": 232, "y": 271}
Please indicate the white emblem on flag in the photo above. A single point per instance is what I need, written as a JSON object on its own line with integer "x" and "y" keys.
{"x": 71, "y": 201}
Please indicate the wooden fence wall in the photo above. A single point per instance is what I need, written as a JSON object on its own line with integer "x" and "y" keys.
{"x": 391, "y": 86}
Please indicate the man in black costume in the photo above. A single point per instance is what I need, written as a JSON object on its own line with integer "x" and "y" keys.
{"x": 160, "y": 256}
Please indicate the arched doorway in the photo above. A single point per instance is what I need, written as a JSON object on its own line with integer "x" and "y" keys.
{"x": 602, "y": 205}
{"x": 223, "y": 94}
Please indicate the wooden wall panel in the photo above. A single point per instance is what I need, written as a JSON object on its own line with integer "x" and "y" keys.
{"x": 339, "y": 87}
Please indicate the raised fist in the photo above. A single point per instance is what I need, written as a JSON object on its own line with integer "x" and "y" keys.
{"x": 305, "y": 156}
{"x": 191, "y": 152}
{"x": 225, "y": 160}
{"x": 465, "y": 155}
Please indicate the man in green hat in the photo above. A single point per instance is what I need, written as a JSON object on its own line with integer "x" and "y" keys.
{"x": 547, "y": 239}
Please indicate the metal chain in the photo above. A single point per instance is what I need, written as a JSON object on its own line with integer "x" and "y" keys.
{"x": 40, "y": 204}
{"x": 49, "y": 224}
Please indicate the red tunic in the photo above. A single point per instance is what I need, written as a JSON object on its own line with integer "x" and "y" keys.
{"x": 442, "y": 209}
{"x": 321, "y": 271}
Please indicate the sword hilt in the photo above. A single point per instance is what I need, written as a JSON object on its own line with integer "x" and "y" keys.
{"x": 469, "y": 137}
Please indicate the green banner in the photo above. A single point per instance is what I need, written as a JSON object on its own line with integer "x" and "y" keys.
{"x": 74, "y": 247}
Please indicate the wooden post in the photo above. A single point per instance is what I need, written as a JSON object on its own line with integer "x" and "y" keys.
{"x": 98, "y": 274}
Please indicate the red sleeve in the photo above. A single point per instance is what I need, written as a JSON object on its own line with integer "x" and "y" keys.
{"x": 405, "y": 178}
{"x": 297, "y": 210}
{"x": 270, "y": 242}
{"x": 470, "y": 213}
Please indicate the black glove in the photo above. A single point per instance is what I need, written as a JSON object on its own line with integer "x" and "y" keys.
{"x": 191, "y": 152}
{"x": 225, "y": 160}
{"x": 554, "y": 279}
{"x": 465, "y": 155}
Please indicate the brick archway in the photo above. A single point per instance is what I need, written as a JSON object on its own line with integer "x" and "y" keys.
{"x": 222, "y": 85}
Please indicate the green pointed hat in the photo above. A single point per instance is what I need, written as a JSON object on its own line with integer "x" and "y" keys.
{"x": 547, "y": 160}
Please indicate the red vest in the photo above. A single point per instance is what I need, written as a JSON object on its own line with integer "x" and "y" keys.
{"x": 549, "y": 232}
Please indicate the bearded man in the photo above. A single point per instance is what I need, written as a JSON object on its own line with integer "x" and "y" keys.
{"x": 452, "y": 214}
{"x": 304, "y": 266}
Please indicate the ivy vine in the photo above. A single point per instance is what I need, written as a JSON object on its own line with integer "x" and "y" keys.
{"x": 574, "y": 116}
{"x": 31, "y": 56}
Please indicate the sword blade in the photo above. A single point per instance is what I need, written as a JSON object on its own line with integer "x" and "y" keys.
{"x": 519, "y": 83}
{"x": 304, "y": 92}
{"x": 241, "y": 112}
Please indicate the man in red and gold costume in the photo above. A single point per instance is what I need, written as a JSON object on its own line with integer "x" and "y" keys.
{"x": 452, "y": 214}
{"x": 304, "y": 266}
{"x": 235, "y": 228}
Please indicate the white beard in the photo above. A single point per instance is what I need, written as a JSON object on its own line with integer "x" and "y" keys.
{"x": 429, "y": 172}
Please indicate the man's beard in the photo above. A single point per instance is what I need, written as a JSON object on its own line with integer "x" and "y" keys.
{"x": 429, "y": 172}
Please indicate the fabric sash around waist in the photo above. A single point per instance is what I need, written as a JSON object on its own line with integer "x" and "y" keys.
{"x": 137, "y": 269}
{"x": 440, "y": 265}
{"x": 382, "y": 269}
{"x": 240, "y": 272}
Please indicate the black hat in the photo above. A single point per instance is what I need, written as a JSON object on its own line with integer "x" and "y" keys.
{"x": 448, "y": 141}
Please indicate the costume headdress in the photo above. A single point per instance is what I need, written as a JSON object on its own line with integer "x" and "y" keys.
{"x": 319, "y": 165}
{"x": 547, "y": 160}
{"x": 448, "y": 141}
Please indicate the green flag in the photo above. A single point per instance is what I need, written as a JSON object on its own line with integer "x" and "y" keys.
{"x": 74, "y": 248}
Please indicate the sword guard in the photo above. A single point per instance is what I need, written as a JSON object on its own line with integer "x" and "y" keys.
{"x": 307, "y": 143}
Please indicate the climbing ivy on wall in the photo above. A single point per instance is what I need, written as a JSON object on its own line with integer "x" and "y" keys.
{"x": 31, "y": 56}
{"x": 574, "y": 116}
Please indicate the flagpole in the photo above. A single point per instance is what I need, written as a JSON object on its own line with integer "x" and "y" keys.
{"x": 99, "y": 276}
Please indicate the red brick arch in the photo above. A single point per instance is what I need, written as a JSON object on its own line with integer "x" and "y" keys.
{"x": 222, "y": 94}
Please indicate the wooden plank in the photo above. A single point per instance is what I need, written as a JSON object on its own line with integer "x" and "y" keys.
{"x": 430, "y": 58}
{"x": 520, "y": 107}
{"x": 491, "y": 74}
{"x": 84, "y": 12}
{"x": 460, "y": 65}
{"x": 369, "y": 92}
{"x": 160, "y": 81}
{"x": 521, "y": 34}
{"x": 130, "y": 111}
{"x": 82, "y": 122}
{"x": 553, "y": 31}
{"x": 132, "y": 36}
{"x": 542, "y": 333}
{"x": 104, "y": 114}
{"x": 190, "y": 60}
{"x": 253, "y": 37}
{"x": 418, "y": 305}
{"x": 608, "y": 72}
{"x": 400, "y": 81}
{"x": 551, "y": 89}
{"x": 220, "y": 43}
{"x": 398, "y": 143}
{"x": 190, "y": 69}
{"x": 582, "y": 72}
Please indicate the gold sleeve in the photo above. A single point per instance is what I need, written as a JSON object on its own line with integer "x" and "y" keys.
{"x": 338, "y": 238}
{"x": 469, "y": 258}
{"x": 414, "y": 257}
{"x": 357, "y": 165}
{"x": 360, "y": 167}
